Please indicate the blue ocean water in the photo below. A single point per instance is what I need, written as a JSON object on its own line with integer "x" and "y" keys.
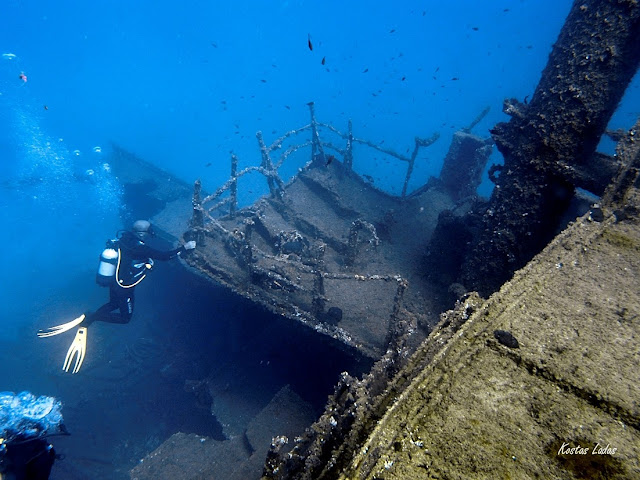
{"x": 182, "y": 85}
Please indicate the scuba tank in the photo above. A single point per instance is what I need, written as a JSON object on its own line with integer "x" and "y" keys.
{"x": 107, "y": 267}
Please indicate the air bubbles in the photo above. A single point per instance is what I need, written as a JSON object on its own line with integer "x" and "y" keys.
{"x": 97, "y": 149}
{"x": 106, "y": 167}
{"x": 76, "y": 152}
{"x": 9, "y": 56}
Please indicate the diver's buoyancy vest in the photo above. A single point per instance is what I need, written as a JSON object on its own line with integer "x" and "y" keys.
{"x": 138, "y": 269}
{"x": 114, "y": 267}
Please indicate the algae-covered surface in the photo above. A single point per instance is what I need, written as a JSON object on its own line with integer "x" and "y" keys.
{"x": 540, "y": 382}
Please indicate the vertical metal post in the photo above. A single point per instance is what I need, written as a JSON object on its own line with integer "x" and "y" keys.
{"x": 420, "y": 142}
{"x": 348, "y": 156}
{"x": 266, "y": 163}
{"x": 319, "y": 300}
{"x": 197, "y": 220}
{"x": 410, "y": 168}
{"x": 316, "y": 145}
{"x": 234, "y": 186}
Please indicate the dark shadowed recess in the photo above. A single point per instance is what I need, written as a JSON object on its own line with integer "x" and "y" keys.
{"x": 222, "y": 330}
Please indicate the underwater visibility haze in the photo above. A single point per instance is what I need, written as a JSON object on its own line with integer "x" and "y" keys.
{"x": 181, "y": 86}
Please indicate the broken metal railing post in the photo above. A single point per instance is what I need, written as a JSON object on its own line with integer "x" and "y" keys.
{"x": 352, "y": 242}
{"x": 316, "y": 145}
{"x": 319, "y": 300}
{"x": 247, "y": 249}
{"x": 477, "y": 120}
{"x": 269, "y": 169}
{"x": 397, "y": 331}
{"x": 233, "y": 189}
{"x": 420, "y": 142}
{"x": 239, "y": 241}
{"x": 197, "y": 220}
{"x": 348, "y": 156}
{"x": 403, "y": 284}
{"x": 266, "y": 163}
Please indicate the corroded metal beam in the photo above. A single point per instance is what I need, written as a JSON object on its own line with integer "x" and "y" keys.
{"x": 554, "y": 136}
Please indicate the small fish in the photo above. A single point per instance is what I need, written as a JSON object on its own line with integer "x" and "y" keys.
{"x": 365, "y": 70}
{"x": 263, "y": 80}
{"x": 454, "y": 78}
{"x": 208, "y": 164}
{"x": 287, "y": 107}
{"x": 214, "y": 44}
{"x": 310, "y": 45}
{"x": 324, "y": 59}
{"x": 22, "y": 77}
{"x": 475, "y": 28}
{"x": 392, "y": 30}
{"x": 330, "y": 158}
{"x": 404, "y": 78}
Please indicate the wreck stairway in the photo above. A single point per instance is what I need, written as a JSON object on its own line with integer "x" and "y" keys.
{"x": 330, "y": 251}
{"x": 240, "y": 456}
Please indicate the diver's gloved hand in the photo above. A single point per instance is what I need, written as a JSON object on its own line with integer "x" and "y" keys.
{"x": 190, "y": 245}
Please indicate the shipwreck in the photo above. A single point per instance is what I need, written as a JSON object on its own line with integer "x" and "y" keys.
{"x": 327, "y": 248}
{"x": 460, "y": 377}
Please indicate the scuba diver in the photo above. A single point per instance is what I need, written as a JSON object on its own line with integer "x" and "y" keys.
{"x": 26, "y": 459}
{"x": 124, "y": 263}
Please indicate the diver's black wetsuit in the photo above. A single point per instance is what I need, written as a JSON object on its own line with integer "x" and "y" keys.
{"x": 27, "y": 459}
{"x": 135, "y": 256}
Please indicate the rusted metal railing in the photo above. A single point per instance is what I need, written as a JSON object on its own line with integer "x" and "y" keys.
{"x": 204, "y": 208}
